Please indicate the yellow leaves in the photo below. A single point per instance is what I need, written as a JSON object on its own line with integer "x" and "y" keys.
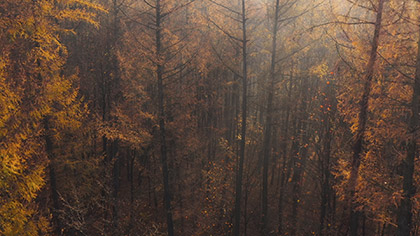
{"x": 125, "y": 130}
{"x": 78, "y": 14}
{"x": 356, "y": 44}
{"x": 320, "y": 70}
{"x": 74, "y": 10}
{"x": 27, "y": 95}
{"x": 231, "y": 83}
{"x": 87, "y": 4}
{"x": 8, "y": 105}
{"x": 21, "y": 179}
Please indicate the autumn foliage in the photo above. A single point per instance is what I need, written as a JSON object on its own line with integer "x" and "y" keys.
{"x": 209, "y": 117}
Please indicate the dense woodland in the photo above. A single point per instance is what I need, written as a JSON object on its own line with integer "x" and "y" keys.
{"x": 209, "y": 117}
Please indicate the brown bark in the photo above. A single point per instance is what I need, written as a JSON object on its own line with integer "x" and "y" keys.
{"x": 52, "y": 178}
{"x": 300, "y": 156}
{"x": 268, "y": 126}
{"x": 405, "y": 208}
{"x": 161, "y": 118}
{"x": 284, "y": 173}
{"x": 362, "y": 122}
{"x": 325, "y": 159}
{"x": 239, "y": 175}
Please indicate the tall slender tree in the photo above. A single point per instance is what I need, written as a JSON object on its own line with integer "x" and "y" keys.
{"x": 268, "y": 121}
{"x": 405, "y": 218}
{"x": 242, "y": 145}
{"x": 362, "y": 122}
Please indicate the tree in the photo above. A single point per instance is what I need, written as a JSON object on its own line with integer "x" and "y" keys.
{"x": 241, "y": 41}
{"x": 268, "y": 122}
{"x": 31, "y": 76}
{"x": 362, "y": 122}
{"x": 405, "y": 208}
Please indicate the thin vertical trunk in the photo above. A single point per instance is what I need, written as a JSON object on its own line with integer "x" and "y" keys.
{"x": 363, "y": 225}
{"x": 326, "y": 189}
{"x": 246, "y": 219}
{"x": 275, "y": 157}
{"x": 404, "y": 212}
{"x": 115, "y": 185}
{"x": 383, "y": 230}
{"x": 161, "y": 117}
{"x": 324, "y": 194}
{"x": 362, "y": 121}
{"x": 114, "y": 143}
{"x": 281, "y": 196}
{"x": 52, "y": 179}
{"x": 268, "y": 126}
{"x": 297, "y": 180}
{"x": 180, "y": 201}
{"x": 285, "y": 165}
{"x": 301, "y": 150}
{"x": 130, "y": 176}
{"x": 238, "y": 187}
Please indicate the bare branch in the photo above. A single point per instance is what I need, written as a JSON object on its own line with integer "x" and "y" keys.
{"x": 176, "y": 8}
{"x": 224, "y": 63}
{"x": 148, "y": 4}
{"x": 225, "y": 7}
{"x": 224, "y": 31}
{"x": 394, "y": 67}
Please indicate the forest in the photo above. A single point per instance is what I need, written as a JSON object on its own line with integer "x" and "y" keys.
{"x": 210, "y": 117}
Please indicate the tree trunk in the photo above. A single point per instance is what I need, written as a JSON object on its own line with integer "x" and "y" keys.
{"x": 300, "y": 153}
{"x": 268, "y": 126}
{"x": 325, "y": 159}
{"x": 115, "y": 185}
{"x": 114, "y": 143}
{"x": 238, "y": 187}
{"x": 161, "y": 117}
{"x": 362, "y": 121}
{"x": 404, "y": 211}
{"x": 284, "y": 173}
{"x": 52, "y": 179}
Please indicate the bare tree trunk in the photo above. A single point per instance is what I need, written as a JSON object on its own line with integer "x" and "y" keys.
{"x": 131, "y": 163}
{"x": 114, "y": 143}
{"x": 362, "y": 121}
{"x": 284, "y": 173}
{"x": 52, "y": 179}
{"x": 300, "y": 155}
{"x": 239, "y": 176}
{"x": 325, "y": 159}
{"x": 115, "y": 185}
{"x": 161, "y": 117}
{"x": 268, "y": 126}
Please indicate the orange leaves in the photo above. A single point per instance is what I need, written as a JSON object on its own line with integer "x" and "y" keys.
{"x": 320, "y": 70}
{"x": 32, "y": 88}
{"x": 77, "y": 10}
